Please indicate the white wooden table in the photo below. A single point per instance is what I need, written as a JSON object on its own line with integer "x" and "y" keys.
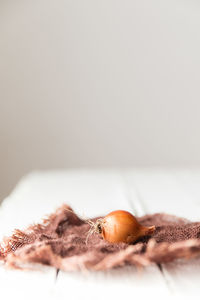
{"x": 97, "y": 192}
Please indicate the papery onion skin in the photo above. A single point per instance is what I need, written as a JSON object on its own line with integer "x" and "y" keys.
{"x": 121, "y": 226}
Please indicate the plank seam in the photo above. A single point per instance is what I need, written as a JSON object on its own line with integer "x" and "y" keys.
{"x": 141, "y": 204}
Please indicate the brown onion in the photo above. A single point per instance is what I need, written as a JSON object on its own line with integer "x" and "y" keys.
{"x": 121, "y": 226}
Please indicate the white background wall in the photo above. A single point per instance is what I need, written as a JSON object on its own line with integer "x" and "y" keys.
{"x": 86, "y": 83}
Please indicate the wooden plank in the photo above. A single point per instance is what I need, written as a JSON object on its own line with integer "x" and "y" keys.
{"x": 18, "y": 211}
{"x": 16, "y": 284}
{"x": 109, "y": 284}
{"x": 121, "y": 282}
{"x": 165, "y": 191}
{"x": 160, "y": 190}
{"x": 185, "y": 275}
{"x": 40, "y": 193}
{"x": 189, "y": 180}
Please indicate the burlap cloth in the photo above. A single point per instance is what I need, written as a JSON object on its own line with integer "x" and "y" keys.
{"x": 60, "y": 241}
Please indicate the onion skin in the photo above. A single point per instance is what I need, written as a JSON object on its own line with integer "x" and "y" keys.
{"x": 121, "y": 226}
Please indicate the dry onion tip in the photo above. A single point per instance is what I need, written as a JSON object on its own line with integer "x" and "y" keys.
{"x": 119, "y": 226}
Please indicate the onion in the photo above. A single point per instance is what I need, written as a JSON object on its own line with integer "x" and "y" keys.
{"x": 121, "y": 226}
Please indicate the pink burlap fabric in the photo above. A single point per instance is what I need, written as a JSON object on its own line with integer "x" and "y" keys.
{"x": 60, "y": 241}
